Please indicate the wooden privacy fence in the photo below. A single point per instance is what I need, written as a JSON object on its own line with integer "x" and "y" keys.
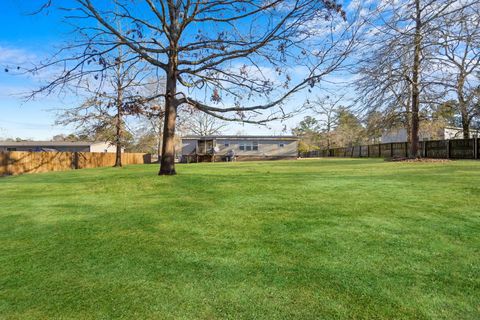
{"x": 442, "y": 149}
{"x": 18, "y": 162}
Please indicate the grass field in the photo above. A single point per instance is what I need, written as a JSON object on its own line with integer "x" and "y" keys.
{"x": 307, "y": 239}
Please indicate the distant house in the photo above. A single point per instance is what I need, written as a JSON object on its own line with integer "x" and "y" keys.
{"x": 450, "y": 133}
{"x": 219, "y": 148}
{"x": 56, "y": 146}
{"x": 445, "y": 133}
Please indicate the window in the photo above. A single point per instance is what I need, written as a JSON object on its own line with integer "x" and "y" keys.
{"x": 226, "y": 143}
{"x": 281, "y": 145}
{"x": 11, "y": 149}
{"x": 248, "y": 145}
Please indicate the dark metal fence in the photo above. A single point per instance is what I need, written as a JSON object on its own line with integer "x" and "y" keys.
{"x": 442, "y": 149}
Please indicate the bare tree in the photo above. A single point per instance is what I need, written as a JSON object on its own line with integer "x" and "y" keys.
{"x": 110, "y": 99}
{"x": 202, "y": 124}
{"x": 239, "y": 54}
{"x": 153, "y": 111}
{"x": 405, "y": 30}
{"x": 383, "y": 85}
{"x": 374, "y": 123}
{"x": 458, "y": 59}
{"x": 148, "y": 136}
{"x": 326, "y": 109}
{"x": 92, "y": 120}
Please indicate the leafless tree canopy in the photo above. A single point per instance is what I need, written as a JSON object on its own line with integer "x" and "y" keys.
{"x": 326, "y": 108}
{"x": 111, "y": 98}
{"x": 233, "y": 60}
{"x": 401, "y": 76}
{"x": 457, "y": 59}
{"x": 202, "y": 124}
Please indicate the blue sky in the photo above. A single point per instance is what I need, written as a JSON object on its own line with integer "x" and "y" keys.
{"x": 23, "y": 39}
{"x": 27, "y": 38}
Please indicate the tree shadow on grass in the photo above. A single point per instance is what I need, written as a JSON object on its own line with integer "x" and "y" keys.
{"x": 121, "y": 268}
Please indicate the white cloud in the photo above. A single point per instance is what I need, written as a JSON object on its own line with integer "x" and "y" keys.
{"x": 15, "y": 56}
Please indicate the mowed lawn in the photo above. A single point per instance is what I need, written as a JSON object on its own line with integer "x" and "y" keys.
{"x": 307, "y": 239}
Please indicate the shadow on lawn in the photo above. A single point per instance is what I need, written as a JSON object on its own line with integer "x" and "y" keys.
{"x": 175, "y": 264}
{"x": 119, "y": 249}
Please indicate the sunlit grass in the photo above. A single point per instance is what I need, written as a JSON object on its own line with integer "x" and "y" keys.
{"x": 309, "y": 239}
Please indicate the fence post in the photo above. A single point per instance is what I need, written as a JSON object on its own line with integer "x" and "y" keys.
{"x": 379, "y": 150}
{"x": 475, "y": 148}
{"x": 406, "y": 149}
{"x": 3, "y": 163}
{"x": 75, "y": 160}
{"x": 448, "y": 149}
{"x": 368, "y": 151}
{"x": 391, "y": 149}
{"x": 7, "y": 163}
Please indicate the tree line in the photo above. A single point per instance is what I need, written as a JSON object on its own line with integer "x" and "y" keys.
{"x": 418, "y": 69}
{"x": 332, "y": 125}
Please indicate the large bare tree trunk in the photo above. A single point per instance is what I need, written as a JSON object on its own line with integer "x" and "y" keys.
{"x": 415, "y": 76}
{"x": 328, "y": 134}
{"x": 167, "y": 164}
{"x": 465, "y": 124}
{"x": 159, "y": 147}
{"x": 463, "y": 108}
{"x": 408, "y": 118}
{"x": 118, "y": 126}
{"x": 118, "y": 152}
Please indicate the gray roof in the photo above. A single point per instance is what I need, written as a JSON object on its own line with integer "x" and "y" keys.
{"x": 237, "y": 137}
{"x": 48, "y": 143}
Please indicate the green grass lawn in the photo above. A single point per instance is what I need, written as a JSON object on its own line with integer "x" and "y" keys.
{"x": 307, "y": 239}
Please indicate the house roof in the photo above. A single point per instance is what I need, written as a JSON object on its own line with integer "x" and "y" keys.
{"x": 461, "y": 129}
{"x": 243, "y": 137}
{"x": 48, "y": 143}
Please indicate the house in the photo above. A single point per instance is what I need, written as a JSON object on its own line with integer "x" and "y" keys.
{"x": 57, "y": 146}
{"x": 442, "y": 133}
{"x": 451, "y": 133}
{"x": 217, "y": 148}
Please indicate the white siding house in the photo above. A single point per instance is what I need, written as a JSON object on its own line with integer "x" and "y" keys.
{"x": 445, "y": 133}
{"x": 217, "y": 148}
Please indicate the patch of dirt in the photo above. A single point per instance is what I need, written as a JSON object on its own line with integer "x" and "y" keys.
{"x": 426, "y": 160}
